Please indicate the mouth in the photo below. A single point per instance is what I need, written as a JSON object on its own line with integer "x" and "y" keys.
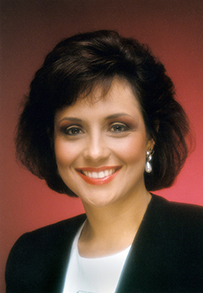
{"x": 98, "y": 176}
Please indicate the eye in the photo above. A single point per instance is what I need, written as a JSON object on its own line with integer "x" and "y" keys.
{"x": 73, "y": 130}
{"x": 119, "y": 127}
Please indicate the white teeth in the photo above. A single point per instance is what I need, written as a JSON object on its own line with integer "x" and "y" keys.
{"x": 94, "y": 175}
{"x": 99, "y": 175}
{"x": 108, "y": 172}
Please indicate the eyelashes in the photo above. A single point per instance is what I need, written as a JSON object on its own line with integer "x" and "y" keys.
{"x": 72, "y": 130}
{"x": 115, "y": 129}
{"x": 119, "y": 127}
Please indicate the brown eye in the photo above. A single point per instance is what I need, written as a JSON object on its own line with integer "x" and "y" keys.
{"x": 118, "y": 127}
{"x": 73, "y": 130}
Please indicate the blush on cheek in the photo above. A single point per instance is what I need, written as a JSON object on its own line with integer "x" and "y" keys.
{"x": 65, "y": 153}
{"x": 130, "y": 152}
{"x": 61, "y": 153}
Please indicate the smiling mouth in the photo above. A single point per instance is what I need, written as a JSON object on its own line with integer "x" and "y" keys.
{"x": 98, "y": 176}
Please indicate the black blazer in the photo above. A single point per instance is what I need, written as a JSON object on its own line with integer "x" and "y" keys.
{"x": 166, "y": 255}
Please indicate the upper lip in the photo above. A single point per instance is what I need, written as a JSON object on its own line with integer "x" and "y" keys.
{"x": 97, "y": 169}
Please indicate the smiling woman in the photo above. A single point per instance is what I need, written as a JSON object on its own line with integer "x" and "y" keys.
{"x": 101, "y": 123}
{"x": 98, "y": 141}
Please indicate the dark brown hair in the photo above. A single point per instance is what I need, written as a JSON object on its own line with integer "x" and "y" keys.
{"x": 77, "y": 64}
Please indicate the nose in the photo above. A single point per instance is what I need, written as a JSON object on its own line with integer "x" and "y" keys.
{"x": 96, "y": 148}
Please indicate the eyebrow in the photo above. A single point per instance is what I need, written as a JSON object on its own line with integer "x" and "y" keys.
{"x": 71, "y": 119}
{"x": 117, "y": 115}
{"x": 78, "y": 120}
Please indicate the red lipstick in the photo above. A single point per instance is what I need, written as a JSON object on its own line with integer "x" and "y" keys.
{"x": 98, "y": 181}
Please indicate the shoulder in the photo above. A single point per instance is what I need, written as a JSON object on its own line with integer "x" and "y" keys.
{"x": 176, "y": 209}
{"x": 184, "y": 220}
{"x": 35, "y": 252}
{"x": 53, "y": 232}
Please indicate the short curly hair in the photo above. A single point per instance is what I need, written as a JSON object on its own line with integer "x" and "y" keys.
{"x": 75, "y": 66}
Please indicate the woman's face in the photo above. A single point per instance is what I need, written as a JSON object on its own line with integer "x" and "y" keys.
{"x": 101, "y": 144}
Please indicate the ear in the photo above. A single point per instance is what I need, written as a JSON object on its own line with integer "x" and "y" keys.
{"x": 150, "y": 144}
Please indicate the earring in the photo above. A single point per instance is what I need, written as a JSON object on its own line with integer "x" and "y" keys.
{"x": 148, "y": 165}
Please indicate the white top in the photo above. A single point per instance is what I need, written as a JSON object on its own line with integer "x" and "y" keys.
{"x": 93, "y": 275}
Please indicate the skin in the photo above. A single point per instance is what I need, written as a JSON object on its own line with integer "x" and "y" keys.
{"x": 105, "y": 137}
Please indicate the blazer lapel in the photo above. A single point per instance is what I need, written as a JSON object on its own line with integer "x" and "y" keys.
{"x": 62, "y": 252}
{"x": 147, "y": 262}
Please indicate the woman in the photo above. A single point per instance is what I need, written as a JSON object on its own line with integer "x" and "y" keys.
{"x": 101, "y": 123}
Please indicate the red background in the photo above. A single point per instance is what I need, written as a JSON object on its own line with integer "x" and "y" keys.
{"x": 30, "y": 29}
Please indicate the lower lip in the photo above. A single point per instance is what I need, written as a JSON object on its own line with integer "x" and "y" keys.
{"x": 98, "y": 181}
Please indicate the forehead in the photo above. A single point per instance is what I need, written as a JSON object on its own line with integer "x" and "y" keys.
{"x": 110, "y": 91}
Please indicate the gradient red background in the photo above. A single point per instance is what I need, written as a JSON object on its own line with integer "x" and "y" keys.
{"x": 30, "y": 29}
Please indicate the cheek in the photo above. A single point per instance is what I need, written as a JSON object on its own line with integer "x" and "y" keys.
{"x": 64, "y": 153}
{"x": 133, "y": 150}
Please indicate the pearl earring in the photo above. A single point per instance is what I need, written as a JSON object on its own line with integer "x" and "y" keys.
{"x": 148, "y": 165}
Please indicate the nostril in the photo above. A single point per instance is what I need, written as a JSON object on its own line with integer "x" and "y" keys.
{"x": 96, "y": 152}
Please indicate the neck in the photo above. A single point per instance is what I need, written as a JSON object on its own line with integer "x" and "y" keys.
{"x": 112, "y": 228}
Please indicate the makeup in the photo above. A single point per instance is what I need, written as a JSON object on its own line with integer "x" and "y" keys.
{"x": 98, "y": 176}
{"x": 100, "y": 146}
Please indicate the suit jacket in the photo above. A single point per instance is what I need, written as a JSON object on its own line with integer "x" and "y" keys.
{"x": 166, "y": 255}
